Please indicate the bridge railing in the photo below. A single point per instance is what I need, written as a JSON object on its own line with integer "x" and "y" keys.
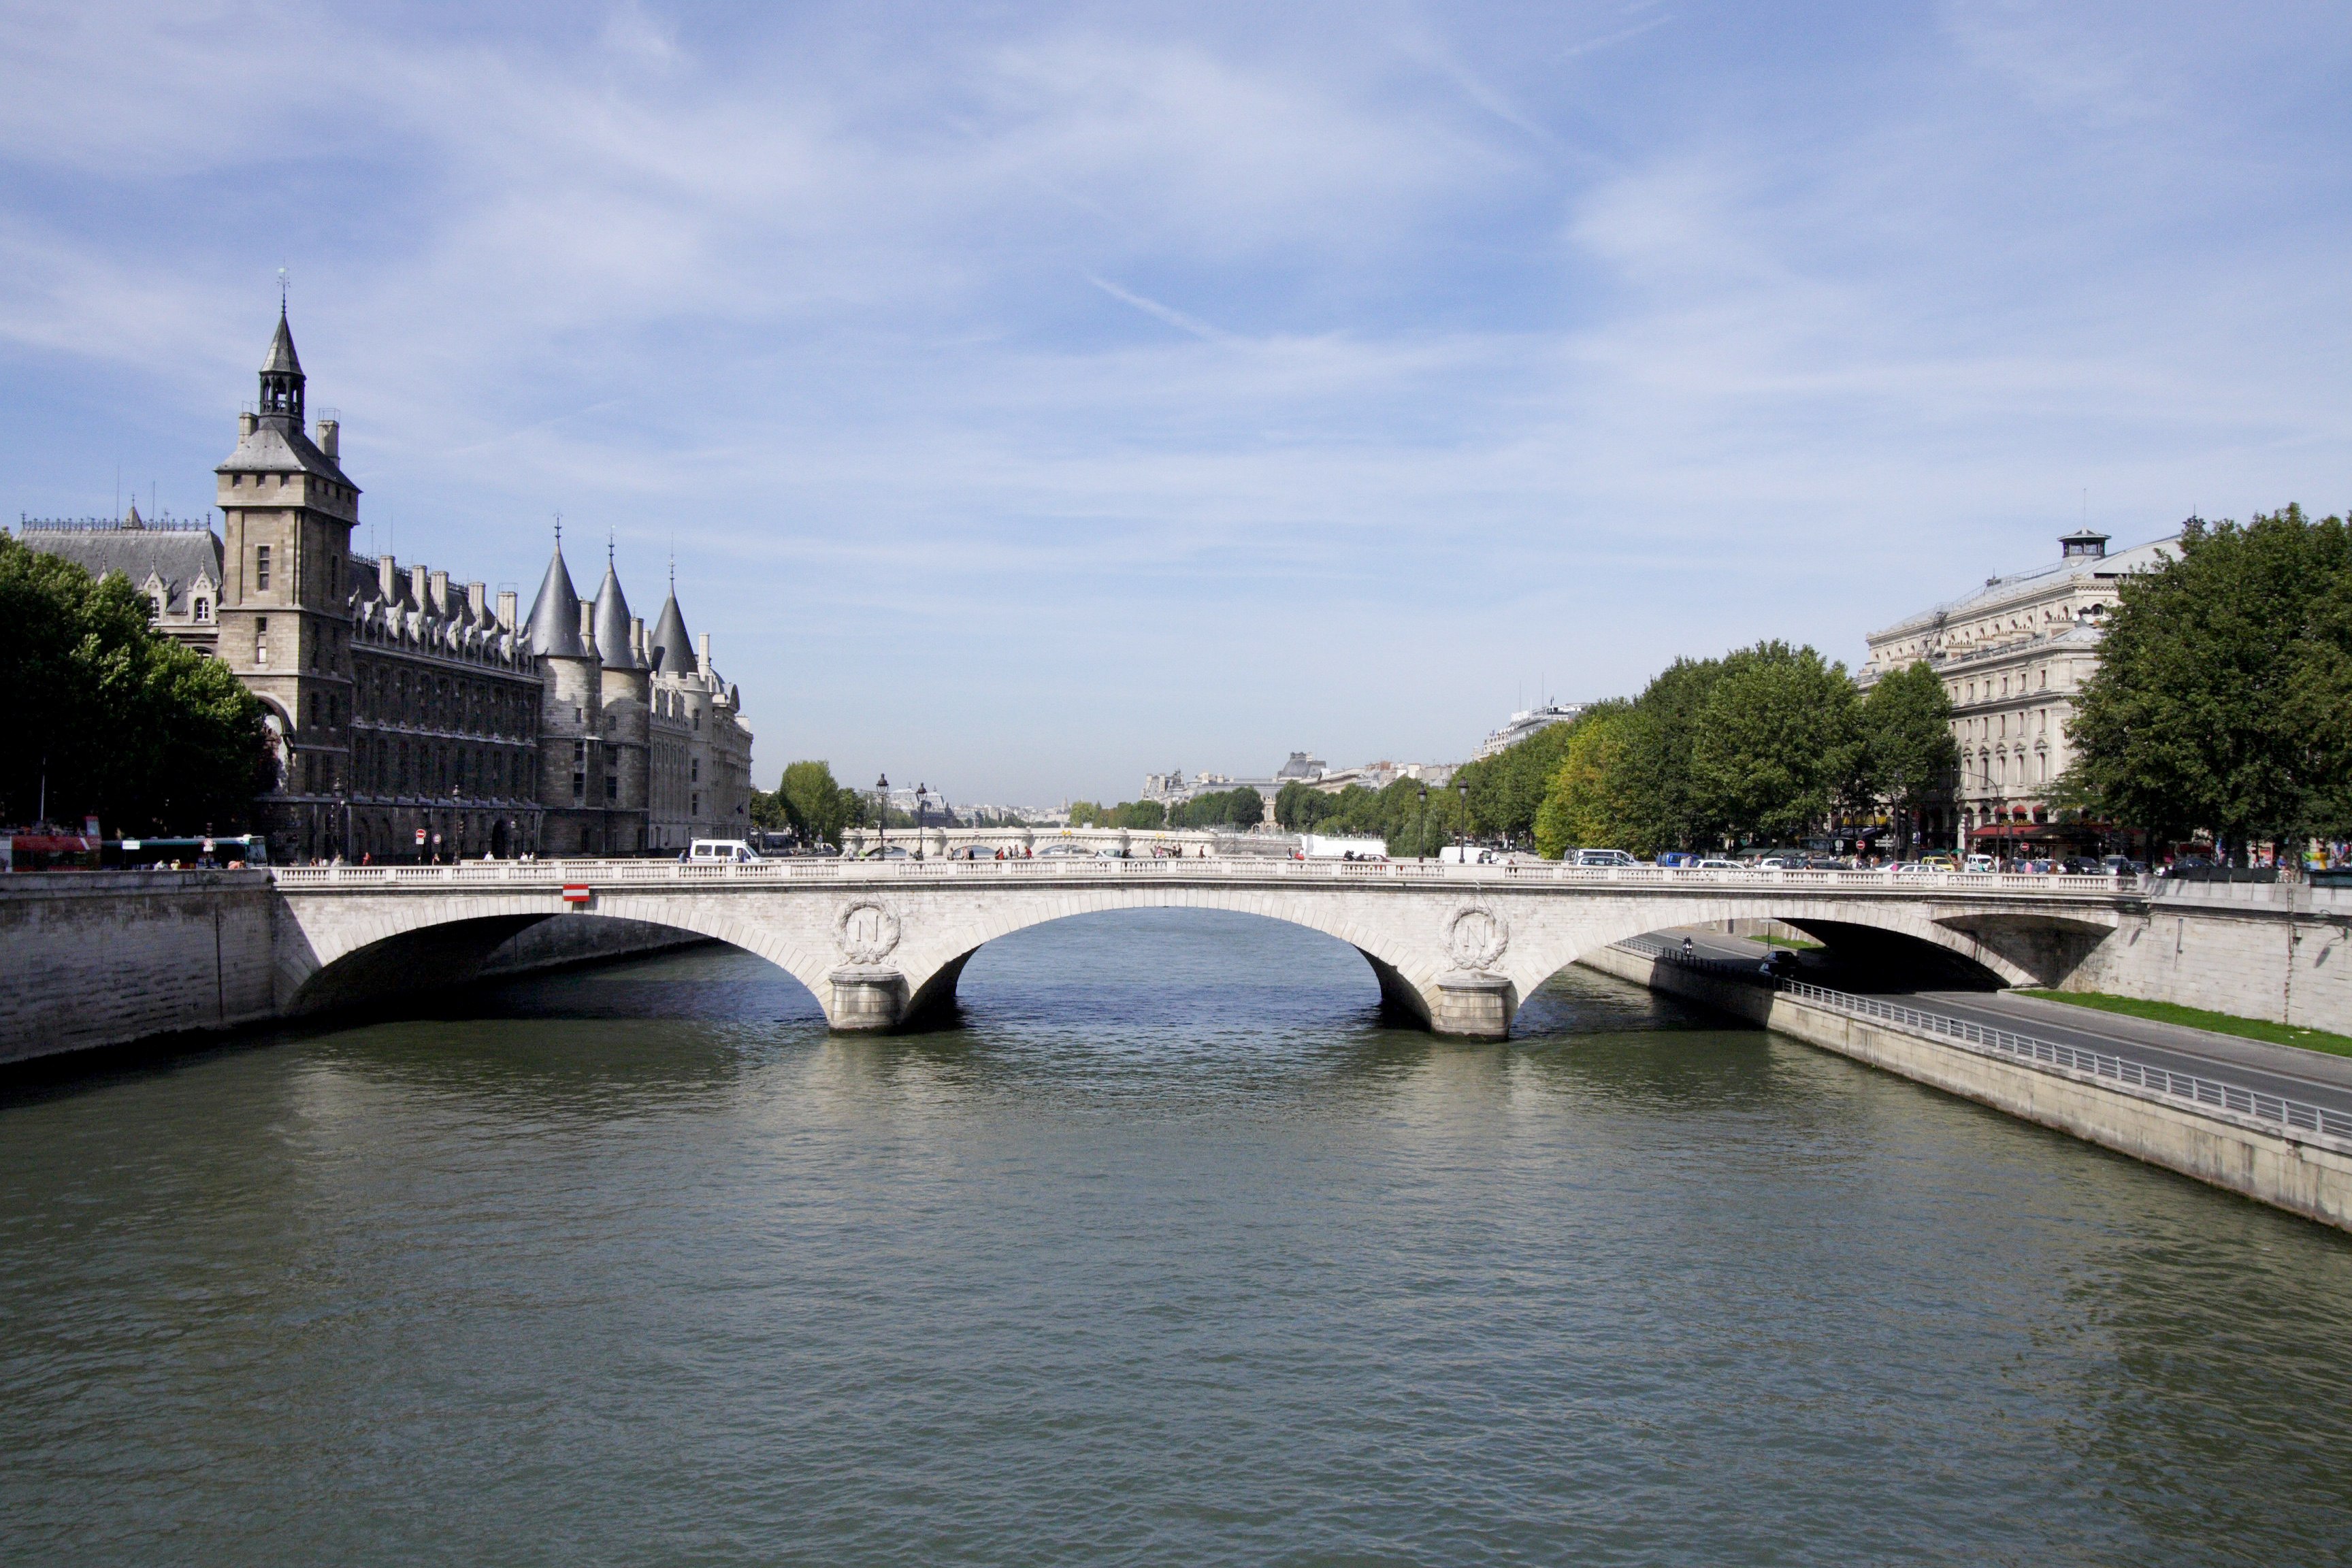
{"x": 674, "y": 873}
{"x": 2195, "y": 1089}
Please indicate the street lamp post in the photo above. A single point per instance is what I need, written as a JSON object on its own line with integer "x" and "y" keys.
{"x": 923, "y": 792}
{"x": 1462, "y": 824}
{"x": 1421, "y": 846}
{"x": 882, "y": 817}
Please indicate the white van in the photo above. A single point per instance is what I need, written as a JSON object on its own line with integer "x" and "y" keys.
{"x": 734, "y": 850}
{"x": 1981, "y": 863}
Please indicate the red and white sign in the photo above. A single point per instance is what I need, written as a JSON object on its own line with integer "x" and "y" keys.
{"x": 576, "y": 893}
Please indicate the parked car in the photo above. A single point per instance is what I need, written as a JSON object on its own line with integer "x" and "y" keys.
{"x": 1939, "y": 863}
{"x": 1604, "y": 858}
{"x": 1980, "y": 863}
{"x": 1716, "y": 863}
{"x": 2121, "y": 866}
{"x": 2081, "y": 866}
{"x": 1778, "y": 962}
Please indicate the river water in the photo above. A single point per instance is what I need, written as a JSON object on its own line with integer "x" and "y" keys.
{"x": 1171, "y": 1253}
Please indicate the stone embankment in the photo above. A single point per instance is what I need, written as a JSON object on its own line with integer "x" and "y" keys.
{"x": 2304, "y": 1173}
{"x": 92, "y": 959}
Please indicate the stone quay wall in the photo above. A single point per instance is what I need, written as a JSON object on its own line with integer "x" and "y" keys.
{"x": 93, "y": 959}
{"x": 2302, "y": 1173}
{"x": 103, "y": 958}
{"x": 2276, "y": 951}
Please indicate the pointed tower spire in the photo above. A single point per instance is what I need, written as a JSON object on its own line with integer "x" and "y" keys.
{"x": 554, "y": 628}
{"x": 281, "y": 374}
{"x": 613, "y": 621}
{"x": 673, "y": 649}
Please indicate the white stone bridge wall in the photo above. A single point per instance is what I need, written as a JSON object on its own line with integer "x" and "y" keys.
{"x": 881, "y": 943}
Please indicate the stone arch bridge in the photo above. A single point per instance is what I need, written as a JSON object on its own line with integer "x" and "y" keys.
{"x": 881, "y": 943}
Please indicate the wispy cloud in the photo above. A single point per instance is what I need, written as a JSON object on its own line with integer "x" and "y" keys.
{"x": 1453, "y": 345}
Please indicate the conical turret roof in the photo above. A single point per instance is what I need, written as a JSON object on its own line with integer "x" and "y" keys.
{"x": 554, "y": 628}
{"x": 673, "y": 649}
{"x": 613, "y": 623}
{"x": 282, "y": 359}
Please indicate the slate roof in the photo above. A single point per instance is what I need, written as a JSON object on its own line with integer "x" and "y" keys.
{"x": 673, "y": 649}
{"x": 554, "y": 630}
{"x": 613, "y": 623}
{"x": 177, "y": 556}
{"x": 282, "y": 359}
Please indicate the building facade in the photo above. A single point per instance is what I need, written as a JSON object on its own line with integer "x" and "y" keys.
{"x": 412, "y": 717}
{"x": 2013, "y": 657}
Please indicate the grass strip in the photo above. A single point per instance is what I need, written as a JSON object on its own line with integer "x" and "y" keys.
{"x": 2198, "y": 1018}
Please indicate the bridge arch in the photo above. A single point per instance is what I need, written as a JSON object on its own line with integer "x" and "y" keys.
{"x": 883, "y": 948}
{"x": 930, "y": 956}
{"x": 360, "y": 954}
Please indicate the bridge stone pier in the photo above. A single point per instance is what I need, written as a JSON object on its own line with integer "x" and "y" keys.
{"x": 881, "y": 943}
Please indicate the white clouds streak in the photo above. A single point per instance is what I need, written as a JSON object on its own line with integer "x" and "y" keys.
{"x": 1130, "y": 360}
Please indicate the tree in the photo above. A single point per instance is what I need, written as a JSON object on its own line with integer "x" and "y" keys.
{"x": 119, "y": 721}
{"x": 1299, "y": 807}
{"x": 814, "y": 802}
{"x": 1656, "y": 780}
{"x": 1584, "y": 807}
{"x": 2216, "y": 704}
{"x": 1507, "y": 789}
{"x": 1776, "y": 742}
{"x": 1139, "y": 815}
{"x": 1907, "y": 751}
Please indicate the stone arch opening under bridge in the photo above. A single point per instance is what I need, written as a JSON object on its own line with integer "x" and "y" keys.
{"x": 882, "y": 946}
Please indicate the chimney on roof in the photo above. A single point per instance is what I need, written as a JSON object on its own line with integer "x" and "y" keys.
{"x": 387, "y": 577}
{"x": 588, "y": 623}
{"x": 247, "y": 422}
{"x": 703, "y": 663}
{"x": 441, "y": 595}
{"x": 330, "y": 439}
{"x": 420, "y": 586}
{"x": 638, "y": 641}
{"x": 478, "y": 599}
{"x": 507, "y": 606}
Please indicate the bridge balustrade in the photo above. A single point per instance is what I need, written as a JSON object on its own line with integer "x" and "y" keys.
{"x": 672, "y": 873}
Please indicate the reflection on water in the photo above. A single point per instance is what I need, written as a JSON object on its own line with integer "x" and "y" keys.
{"x": 1173, "y": 1250}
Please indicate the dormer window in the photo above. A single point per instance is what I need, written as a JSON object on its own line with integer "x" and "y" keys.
{"x": 204, "y": 610}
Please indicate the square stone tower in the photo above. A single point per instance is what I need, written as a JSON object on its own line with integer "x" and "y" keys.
{"x": 285, "y": 621}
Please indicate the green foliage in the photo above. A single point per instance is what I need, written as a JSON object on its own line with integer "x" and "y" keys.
{"x": 1300, "y": 806}
{"x": 1761, "y": 743}
{"x": 1086, "y": 813}
{"x": 1907, "y": 751}
{"x": 1139, "y": 815}
{"x": 1583, "y": 806}
{"x": 1507, "y": 789}
{"x": 127, "y": 725}
{"x": 1777, "y": 743}
{"x": 810, "y": 802}
{"x": 1664, "y": 809}
{"x": 1239, "y": 808}
{"x": 2223, "y": 697}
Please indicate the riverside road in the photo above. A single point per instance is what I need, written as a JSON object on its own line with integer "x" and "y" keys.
{"x": 2288, "y": 1072}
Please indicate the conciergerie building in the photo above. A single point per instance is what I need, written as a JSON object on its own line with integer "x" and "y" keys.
{"x": 412, "y": 714}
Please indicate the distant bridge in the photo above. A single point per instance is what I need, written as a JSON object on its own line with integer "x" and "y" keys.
{"x": 881, "y": 942}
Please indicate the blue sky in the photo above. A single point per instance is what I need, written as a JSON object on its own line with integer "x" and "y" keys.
{"x": 1034, "y": 396}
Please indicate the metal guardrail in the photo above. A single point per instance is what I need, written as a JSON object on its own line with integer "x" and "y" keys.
{"x": 639, "y": 873}
{"x": 2206, "y": 1093}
